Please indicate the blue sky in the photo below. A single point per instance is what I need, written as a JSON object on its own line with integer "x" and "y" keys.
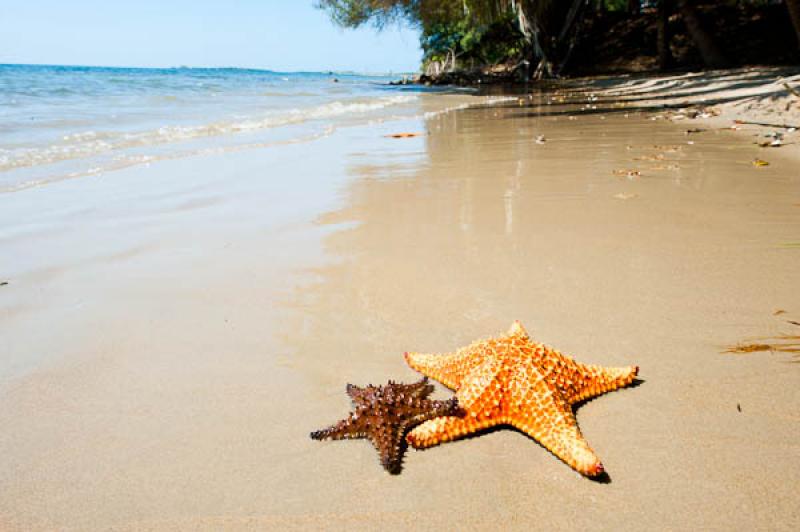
{"x": 279, "y": 35}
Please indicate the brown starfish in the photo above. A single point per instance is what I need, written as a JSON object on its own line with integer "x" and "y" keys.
{"x": 384, "y": 414}
{"x": 515, "y": 381}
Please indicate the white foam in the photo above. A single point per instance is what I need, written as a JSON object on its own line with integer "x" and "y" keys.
{"x": 90, "y": 143}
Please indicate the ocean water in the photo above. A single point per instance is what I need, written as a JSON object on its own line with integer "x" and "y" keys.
{"x": 63, "y": 122}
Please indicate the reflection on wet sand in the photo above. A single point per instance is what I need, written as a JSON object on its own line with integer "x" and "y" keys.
{"x": 472, "y": 232}
{"x": 435, "y": 247}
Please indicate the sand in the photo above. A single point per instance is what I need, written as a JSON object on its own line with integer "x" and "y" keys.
{"x": 762, "y": 102}
{"x": 172, "y": 333}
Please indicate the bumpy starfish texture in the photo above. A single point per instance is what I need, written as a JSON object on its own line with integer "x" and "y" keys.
{"x": 515, "y": 381}
{"x": 384, "y": 414}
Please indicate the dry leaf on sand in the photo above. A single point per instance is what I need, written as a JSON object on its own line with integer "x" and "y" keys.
{"x": 403, "y": 135}
{"x": 624, "y": 172}
{"x": 780, "y": 344}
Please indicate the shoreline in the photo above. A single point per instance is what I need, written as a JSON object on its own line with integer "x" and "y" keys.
{"x": 200, "y": 316}
{"x": 750, "y": 100}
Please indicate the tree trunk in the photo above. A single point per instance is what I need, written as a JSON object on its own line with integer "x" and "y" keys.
{"x": 551, "y": 37}
{"x": 711, "y": 53}
{"x": 529, "y": 27}
{"x": 568, "y": 36}
{"x": 665, "y": 60}
{"x": 633, "y": 7}
{"x": 794, "y": 13}
{"x": 600, "y": 7}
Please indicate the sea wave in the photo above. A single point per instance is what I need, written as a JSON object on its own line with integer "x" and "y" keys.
{"x": 90, "y": 143}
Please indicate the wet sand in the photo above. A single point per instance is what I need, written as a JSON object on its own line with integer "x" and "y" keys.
{"x": 173, "y": 333}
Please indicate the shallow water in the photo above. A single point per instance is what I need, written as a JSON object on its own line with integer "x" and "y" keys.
{"x": 60, "y": 122}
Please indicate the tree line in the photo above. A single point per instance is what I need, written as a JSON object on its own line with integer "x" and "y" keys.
{"x": 542, "y": 33}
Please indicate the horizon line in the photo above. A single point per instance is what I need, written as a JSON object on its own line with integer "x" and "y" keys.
{"x": 188, "y": 67}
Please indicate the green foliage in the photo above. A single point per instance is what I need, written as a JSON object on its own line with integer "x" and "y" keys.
{"x": 482, "y": 31}
{"x": 616, "y": 5}
{"x": 423, "y": 13}
{"x": 468, "y": 41}
{"x": 355, "y": 13}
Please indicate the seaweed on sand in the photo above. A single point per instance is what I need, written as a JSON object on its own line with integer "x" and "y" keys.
{"x": 784, "y": 343}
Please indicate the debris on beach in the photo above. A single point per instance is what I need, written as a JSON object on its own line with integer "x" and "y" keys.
{"x": 784, "y": 343}
{"x": 792, "y": 90}
{"x": 692, "y": 114}
{"x": 760, "y": 162}
{"x": 3, "y": 283}
{"x": 787, "y": 127}
{"x": 790, "y": 245}
{"x": 540, "y": 139}
{"x": 695, "y": 130}
{"x": 625, "y": 196}
{"x": 776, "y": 143}
{"x": 656, "y": 157}
{"x": 665, "y": 167}
{"x": 749, "y": 348}
{"x": 629, "y": 173}
{"x": 705, "y": 112}
{"x": 775, "y": 140}
{"x": 669, "y": 148}
{"x": 403, "y": 135}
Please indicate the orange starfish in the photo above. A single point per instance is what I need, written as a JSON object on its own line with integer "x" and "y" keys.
{"x": 515, "y": 381}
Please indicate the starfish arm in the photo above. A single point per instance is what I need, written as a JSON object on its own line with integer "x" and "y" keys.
{"x": 451, "y": 368}
{"x": 420, "y": 389}
{"x": 423, "y": 410}
{"x": 541, "y": 412}
{"x": 444, "y": 429}
{"x": 590, "y": 381}
{"x": 479, "y": 397}
{"x": 564, "y": 440}
{"x": 356, "y": 393}
{"x": 388, "y": 443}
{"x": 518, "y": 330}
{"x": 350, "y": 428}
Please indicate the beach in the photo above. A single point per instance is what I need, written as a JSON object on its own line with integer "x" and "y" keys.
{"x": 174, "y": 330}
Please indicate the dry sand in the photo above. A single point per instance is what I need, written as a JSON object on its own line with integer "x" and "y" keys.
{"x": 171, "y": 334}
{"x": 761, "y": 102}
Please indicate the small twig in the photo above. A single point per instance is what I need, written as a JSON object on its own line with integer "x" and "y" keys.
{"x": 790, "y": 89}
{"x": 765, "y": 124}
